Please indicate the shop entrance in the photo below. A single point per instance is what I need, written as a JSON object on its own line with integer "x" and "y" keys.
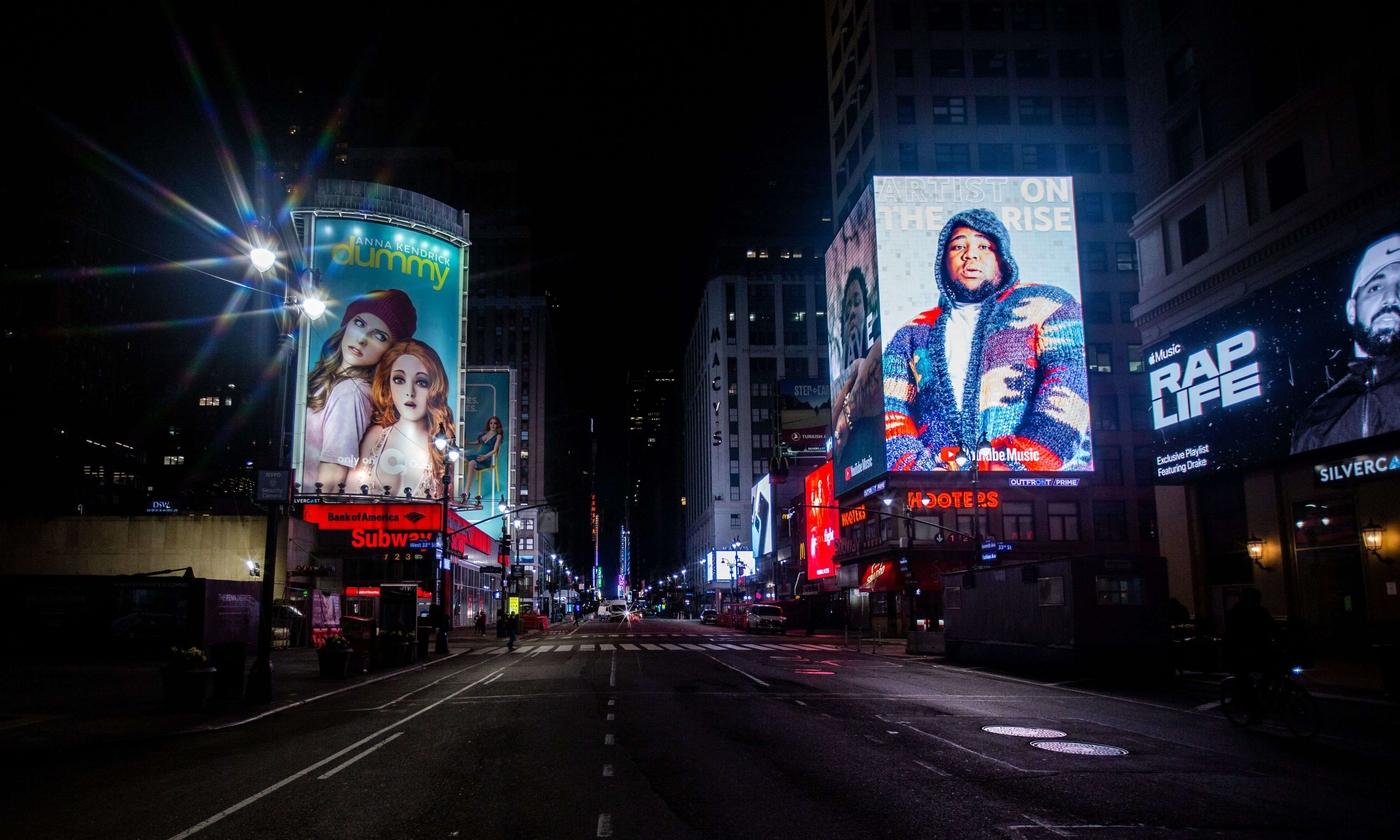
{"x": 1331, "y": 581}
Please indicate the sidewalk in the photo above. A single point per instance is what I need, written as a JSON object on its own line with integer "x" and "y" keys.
{"x": 47, "y": 703}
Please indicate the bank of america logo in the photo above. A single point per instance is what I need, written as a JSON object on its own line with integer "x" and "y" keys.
{"x": 414, "y": 516}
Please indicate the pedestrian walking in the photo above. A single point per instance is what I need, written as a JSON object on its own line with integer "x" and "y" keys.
{"x": 481, "y": 622}
{"x": 512, "y": 628}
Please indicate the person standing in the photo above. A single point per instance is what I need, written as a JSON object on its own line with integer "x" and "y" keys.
{"x": 481, "y": 622}
{"x": 512, "y": 629}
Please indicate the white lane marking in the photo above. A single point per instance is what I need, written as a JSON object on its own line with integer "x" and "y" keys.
{"x": 646, "y": 646}
{"x": 669, "y": 646}
{"x": 956, "y": 745}
{"x": 1205, "y": 707}
{"x": 491, "y": 679}
{"x": 343, "y": 765}
{"x": 612, "y": 674}
{"x": 612, "y": 716}
{"x": 732, "y": 647}
{"x": 605, "y": 825}
{"x": 420, "y": 688}
{"x": 693, "y": 647}
{"x": 607, "y": 771}
{"x": 612, "y": 702}
{"x": 276, "y": 786}
{"x": 800, "y": 702}
{"x": 625, "y": 646}
{"x": 1048, "y": 827}
{"x": 745, "y": 673}
{"x": 712, "y": 647}
{"x": 565, "y": 648}
{"x": 931, "y": 769}
{"x": 609, "y": 740}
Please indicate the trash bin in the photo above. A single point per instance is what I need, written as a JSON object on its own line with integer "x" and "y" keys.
{"x": 229, "y": 658}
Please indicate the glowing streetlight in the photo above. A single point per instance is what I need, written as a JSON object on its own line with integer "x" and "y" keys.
{"x": 262, "y": 259}
{"x": 313, "y": 308}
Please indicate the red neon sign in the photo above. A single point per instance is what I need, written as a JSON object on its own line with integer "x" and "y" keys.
{"x": 373, "y": 592}
{"x": 945, "y": 499}
{"x": 382, "y": 516}
{"x": 821, "y": 522}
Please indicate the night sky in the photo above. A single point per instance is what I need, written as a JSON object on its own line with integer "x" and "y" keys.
{"x": 642, "y": 135}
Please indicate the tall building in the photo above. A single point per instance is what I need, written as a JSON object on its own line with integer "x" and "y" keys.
{"x": 761, "y": 320}
{"x": 1010, "y": 89}
{"x": 653, "y": 471}
{"x": 1269, "y": 239}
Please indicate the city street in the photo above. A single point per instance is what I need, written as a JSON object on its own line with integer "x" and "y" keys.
{"x": 664, "y": 728}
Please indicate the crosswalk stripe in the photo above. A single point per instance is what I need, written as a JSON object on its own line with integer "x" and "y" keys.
{"x": 606, "y": 647}
{"x": 564, "y": 648}
{"x": 652, "y": 647}
{"x": 693, "y": 647}
{"x": 752, "y": 646}
{"x": 712, "y": 647}
{"x": 624, "y": 646}
{"x": 731, "y": 647}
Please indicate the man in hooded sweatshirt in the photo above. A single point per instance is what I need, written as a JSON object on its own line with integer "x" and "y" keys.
{"x": 998, "y": 362}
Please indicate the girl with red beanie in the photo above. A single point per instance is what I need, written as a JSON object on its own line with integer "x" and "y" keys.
{"x": 338, "y": 404}
{"x": 410, "y": 408}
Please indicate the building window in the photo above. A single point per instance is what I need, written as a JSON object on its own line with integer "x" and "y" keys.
{"x": 964, "y": 521}
{"x": 1285, "y": 176}
{"x": 946, "y": 64}
{"x": 988, "y": 17}
{"x": 208, "y": 401}
{"x": 1193, "y": 235}
{"x": 904, "y": 63}
{"x": 734, "y": 520}
{"x": 1108, "y": 464}
{"x": 909, "y": 157}
{"x": 904, "y": 110}
{"x": 1078, "y": 110}
{"x": 1118, "y": 590}
{"x": 899, "y": 17}
{"x": 1126, "y": 302}
{"x": 762, "y": 330}
{"x": 989, "y": 64}
{"x": 1139, "y": 410}
{"x": 995, "y": 157}
{"x": 729, "y": 307}
{"x": 1050, "y": 591}
{"x": 952, "y": 157}
{"x": 1125, "y": 256}
{"x": 1097, "y": 309}
{"x": 1099, "y": 357}
{"x": 1111, "y": 63}
{"x": 794, "y": 314}
{"x": 1073, "y": 16}
{"x": 1093, "y": 256}
{"x": 1135, "y": 358}
{"x": 1034, "y": 110}
{"x": 1062, "y": 519}
{"x": 1038, "y": 157}
{"x": 1017, "y": 521}
{"x": 1120, "y": 158}
{"x": 1106, "y": 413}
{"x": 1089, "y": 206}
{"x": 1115, "y": 110}
{"x": 1076, "y": 64}
{"x": 174, "y": 460}
{"x": 1082, "y": 157}
{"x": 948, "y": 110}
{"x": 1028, "y": 17}
{"x": 945, "y": 15}
{"x": 1147, "y": 520}
{"x": 1123, "y": 205}
{"x": 1032, "y": 64}
{"x": 994, "y": 110}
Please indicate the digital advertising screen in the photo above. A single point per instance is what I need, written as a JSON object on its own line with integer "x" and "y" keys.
{"x": 486, "y": 465}
{"x": 725, "y": 566}
{"x": 972, "y": 304}
{"x": 380, "y": 373}
{"x": 804, "y": 412}
{"x": 761, "y": 522}
{"x": 822, "y": 528}
{"x": 1310, "y": 361}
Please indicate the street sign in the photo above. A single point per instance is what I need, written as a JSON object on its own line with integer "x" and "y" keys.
{"x": 274, "y": 486}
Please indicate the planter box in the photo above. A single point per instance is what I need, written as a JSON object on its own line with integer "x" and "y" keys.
{"x": 334, "y": 662}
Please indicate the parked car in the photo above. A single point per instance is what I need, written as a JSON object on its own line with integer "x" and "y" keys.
{"x": 765, "y": 618}
{"x": 709, "y": 615}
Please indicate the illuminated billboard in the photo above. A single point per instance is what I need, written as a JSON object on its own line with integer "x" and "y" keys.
{"x": 725, "y": 566}
{"x": 822, "y": 530}
{"x": 1307, "y": 362}
{"x": 380, "y": 373}
{"x": 804, "y": 413}
{"x": 488, "y": 411}
{"x": 761, "y": 522}
{"x": 957, "y": 328}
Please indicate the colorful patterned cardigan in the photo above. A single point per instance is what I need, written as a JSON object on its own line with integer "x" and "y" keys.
{"x": 1030, "y": 394}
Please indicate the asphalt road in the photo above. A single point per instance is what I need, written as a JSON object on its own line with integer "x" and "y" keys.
{"x": 663, "y": 729}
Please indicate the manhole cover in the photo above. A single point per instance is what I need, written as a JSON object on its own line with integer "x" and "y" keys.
{"x": 1024, "y": 731}
{"x": 1078, "y": 748}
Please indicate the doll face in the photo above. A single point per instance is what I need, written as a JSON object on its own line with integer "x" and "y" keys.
{"x": 409, "y": 383}
{"x": 365, "y": 340}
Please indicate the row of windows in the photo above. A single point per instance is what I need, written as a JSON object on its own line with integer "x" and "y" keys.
{"x": 1029, "y": 64}
{"x": 980, "y": 16}
{"x": 1093, "y": 256}
{"x": 1079, "y": 158}
{"x": 1018, "y": 522}
{"x": 1098, "y": 307}
{"x": 1030, "y": 110}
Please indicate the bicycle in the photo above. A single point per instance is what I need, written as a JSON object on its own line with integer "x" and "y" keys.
{"x": 1283, "y": 695}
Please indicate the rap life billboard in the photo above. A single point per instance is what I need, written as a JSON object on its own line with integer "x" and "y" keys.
{"x": 488, "y": 416}
{"x": 761, "y": 520}
{"x": 380, "y": 378}
{"x": 1308, "y": 362}
{"x": 822, "y": 528}
{"x": 957, "y": 328}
